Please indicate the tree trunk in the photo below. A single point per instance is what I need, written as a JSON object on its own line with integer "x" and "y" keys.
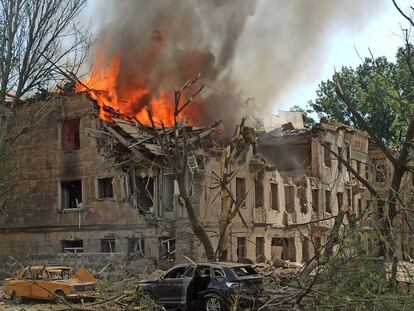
{"x": 196, "y": 225}
{"x": 388, "y": 226}
{"x": 224, "y": 228}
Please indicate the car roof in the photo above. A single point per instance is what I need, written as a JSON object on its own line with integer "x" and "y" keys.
{"x": 225, "y": 264}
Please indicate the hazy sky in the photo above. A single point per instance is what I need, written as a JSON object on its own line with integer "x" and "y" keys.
{"x": 379, "y": 31}
{"x": 382, "y": 35}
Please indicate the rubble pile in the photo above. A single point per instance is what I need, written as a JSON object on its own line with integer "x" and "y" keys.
{"x": 279, "y": 272}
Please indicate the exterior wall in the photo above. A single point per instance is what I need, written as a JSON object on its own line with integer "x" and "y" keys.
{"x": 36, "y": 224}
{"x": 319, "y": 171}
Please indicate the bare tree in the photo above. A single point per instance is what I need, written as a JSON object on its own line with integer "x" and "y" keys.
{"x": 234, "y": 157}
{"x": 176, "y": 152}
{"x": 36, "y": 37}
{"x": 39, "y": 40}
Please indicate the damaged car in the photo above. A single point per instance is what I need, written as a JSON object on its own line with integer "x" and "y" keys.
{"x": 206, "y": 286}
{"x": 56, "y": 283}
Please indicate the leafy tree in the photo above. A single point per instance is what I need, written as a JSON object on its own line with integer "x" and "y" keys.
{"x": 382, "y": 93}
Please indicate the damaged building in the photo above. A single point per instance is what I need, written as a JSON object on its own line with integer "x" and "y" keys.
{"x": 97, "y": 189}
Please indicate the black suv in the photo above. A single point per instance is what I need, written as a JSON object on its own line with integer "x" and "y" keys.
{"x": 209, "y": 286}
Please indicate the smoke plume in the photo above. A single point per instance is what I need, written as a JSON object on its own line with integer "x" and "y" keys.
{"x": 241, "y": 48}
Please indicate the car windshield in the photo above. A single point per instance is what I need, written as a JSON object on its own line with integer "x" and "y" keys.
{"x": 62, "y": 274}
{"x": 244, "y": 271}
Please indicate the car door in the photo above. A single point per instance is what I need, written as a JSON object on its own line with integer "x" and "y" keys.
{"x": 21, "y": 286}
{"x": 186, "y": 288}
{"x": 169, "y": 288}
{"x": 40, "y": 286}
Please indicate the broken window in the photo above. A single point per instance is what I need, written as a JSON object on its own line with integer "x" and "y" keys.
{"x": 290, "y": 198}
{"x": 105, "y": 189}
{"x": 144, "y": 193}
{"x": 136, "y": 248}
{"x": 258, "y": 194}
{"x": 340, "y": 199}
{"x": 260, "y": 256}
{"x": 381, "y": 204}
{"x": 327, "y": 154}
{"x": 241, "y": 247}
{"x": 177, "y": 273}
{"x": 71, "y": 194}
{"x": 28, "y": 275}
{"x": 315, "y": 200}
{"x": 218, "y": 273}
{"x": 167, "y": 248}
{"x": 108, "y": 246}
{"x": 274, "y": 189}
{"x": 348, "y": 153}
{"x": 349, "y": 198}
{"x": 305, "y": 250}
{"x": 70, "y": 135}
{"x": 302, "y": 200}
{"x": 359, "y": 207}
{"x": 379, "y": 170}
{"x": 240, "y": 192}
{"x": 288, "y": 244}
{"x": 168, "y": 192}
{"x": 72, "y": 246}
{"x": 328, "y": 201}
{"x": 340, "y": 157}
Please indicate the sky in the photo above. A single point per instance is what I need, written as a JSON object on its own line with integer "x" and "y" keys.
{"x": 382, "y": 35}
{"x": 379, "y": 31}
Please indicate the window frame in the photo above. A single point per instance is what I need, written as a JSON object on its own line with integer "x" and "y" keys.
{"x": 98, "y": 188}
{"x": 63, "y": 192}
{"x": 274, "y": 194}
{"x": 170, "y": 252}
{"x": 289, "y": 193}
{"x": 175, "y": 269}
{"x": 141, "y": 243}
{"x": 110, "y": 241}
{"x": 241, "y": 186}
{"x": 328, "y": 201}
{"x": 75, "y": 248}
{"x": 241, "y": 246}
{"x": 76, "y": 134}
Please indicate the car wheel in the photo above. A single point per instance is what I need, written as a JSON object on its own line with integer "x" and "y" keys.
{"x": 213, "y": 304}
{"x": 16, "y": 299}
{"x": 60, "y": 297}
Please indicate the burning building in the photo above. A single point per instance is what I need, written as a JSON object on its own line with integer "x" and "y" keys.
{"x": 96, "y": 185}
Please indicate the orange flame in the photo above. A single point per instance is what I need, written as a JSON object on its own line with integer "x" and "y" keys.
{"x": 102, "y": 86}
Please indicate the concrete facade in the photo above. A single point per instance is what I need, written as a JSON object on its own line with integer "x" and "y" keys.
{"x": 76, "y": 200}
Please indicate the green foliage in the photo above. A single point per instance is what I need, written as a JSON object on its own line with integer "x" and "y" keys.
{"x": 353, "y": 280}
{"x": 382, "y": 92}
{"x": 102, "y": 288}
